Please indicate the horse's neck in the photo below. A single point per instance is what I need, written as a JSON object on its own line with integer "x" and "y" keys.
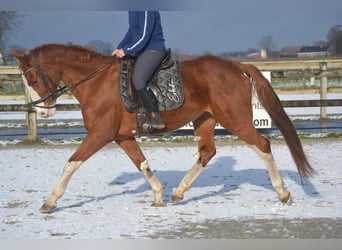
{"x": 75, "y": 79}
{"x": 78, "y": 80}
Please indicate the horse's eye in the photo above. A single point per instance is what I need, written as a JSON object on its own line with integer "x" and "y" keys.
{"x": 34, "y": 83}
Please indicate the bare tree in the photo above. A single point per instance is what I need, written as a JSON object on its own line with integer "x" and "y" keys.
{"x": 335, "y": 39}
{"x": 8, "y": 21}
{"x": 101, "y": 47}
{"x": 268, "y": 43}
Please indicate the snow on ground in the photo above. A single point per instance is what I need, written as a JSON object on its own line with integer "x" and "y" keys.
{"x": 109, "y": 198}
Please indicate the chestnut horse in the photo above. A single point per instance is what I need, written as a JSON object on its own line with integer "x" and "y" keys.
{"x": 216, "y": 91}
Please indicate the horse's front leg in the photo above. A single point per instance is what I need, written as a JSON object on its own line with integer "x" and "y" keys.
{"x": 90, "y": 145}
{"x": 58, "y": 191}
{"x": 132, "y": 149}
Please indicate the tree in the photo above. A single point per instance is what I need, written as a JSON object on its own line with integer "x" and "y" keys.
{"x": 8, "y": 21}
{"x": 335, "y": 39}
{"x": 101, "y": 47}
{"x": 268, "y": 43}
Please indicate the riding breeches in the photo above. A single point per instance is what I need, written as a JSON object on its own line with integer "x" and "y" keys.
{"x": 146, "y": 65}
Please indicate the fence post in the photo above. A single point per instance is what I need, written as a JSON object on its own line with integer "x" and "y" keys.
{"x": 323, "y": 90}
{"x": 31, "y": 120}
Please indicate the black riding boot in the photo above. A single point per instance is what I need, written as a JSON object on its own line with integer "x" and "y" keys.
{"x": 151, "y": 105}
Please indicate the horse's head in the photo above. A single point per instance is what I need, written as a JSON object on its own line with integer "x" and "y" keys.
{"x": 41, "y": 79}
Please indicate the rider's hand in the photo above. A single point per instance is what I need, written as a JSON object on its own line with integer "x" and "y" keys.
{"x": 118, "y": 52}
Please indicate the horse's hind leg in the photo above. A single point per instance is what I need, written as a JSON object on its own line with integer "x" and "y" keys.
{"x": 273, "y": 172}
{"x": 262, "y": 147}
{"x": 237, "y": 117}
{"x": 132, "y": 149}
{"x": 204, "y": 130}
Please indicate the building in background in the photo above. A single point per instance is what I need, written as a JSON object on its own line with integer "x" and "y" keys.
{"x": 313, "y": 51}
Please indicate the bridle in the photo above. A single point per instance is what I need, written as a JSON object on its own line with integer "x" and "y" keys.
{"x": 45, "y": 78}
{"x": 61, "y": 89}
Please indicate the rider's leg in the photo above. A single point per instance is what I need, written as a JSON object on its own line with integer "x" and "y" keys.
{"x": 146, "y": 65}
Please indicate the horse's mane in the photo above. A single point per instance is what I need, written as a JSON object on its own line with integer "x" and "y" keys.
{"x": 60, "y": 53}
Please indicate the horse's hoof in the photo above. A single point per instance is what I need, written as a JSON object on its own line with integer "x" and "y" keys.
{"x": 287, "y": 200}
{"x": 176, "y": 198}
{"x": 158, "y": 204}
{"x": 47, "y": 208}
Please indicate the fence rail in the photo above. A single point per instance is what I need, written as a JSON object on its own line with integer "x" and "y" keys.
{"x": 76, "y": 107}
{"x": 32, "y": 125}
{"x": 321, "y": 68}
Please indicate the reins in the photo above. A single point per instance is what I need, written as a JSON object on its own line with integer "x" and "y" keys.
{"x": 62, "y": 90}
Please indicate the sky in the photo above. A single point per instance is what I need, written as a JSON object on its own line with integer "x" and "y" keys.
{"x": 224, "y": 26}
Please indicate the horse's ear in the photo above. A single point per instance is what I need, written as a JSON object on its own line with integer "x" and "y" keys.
{"x": 22, "y": 56}
{"x": 17, "y": 53}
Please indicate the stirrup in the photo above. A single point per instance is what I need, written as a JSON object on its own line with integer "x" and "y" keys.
{"x": 149, "y": 126}
{"x": 154, "y": 122}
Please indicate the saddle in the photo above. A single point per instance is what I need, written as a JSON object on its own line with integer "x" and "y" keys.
{"x": 166, "y": 84}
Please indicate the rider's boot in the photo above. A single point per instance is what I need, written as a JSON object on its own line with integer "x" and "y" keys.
{"x": 151, "y": 105}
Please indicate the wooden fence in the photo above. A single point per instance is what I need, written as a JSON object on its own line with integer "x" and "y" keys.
{"x": 32, "y": 132}
{"x": 319, "y": 68}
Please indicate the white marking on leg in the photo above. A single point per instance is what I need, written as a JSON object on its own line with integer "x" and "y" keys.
{"x": 68, "y": 171}
{"x": 60, "y": 188}
{"x": 273, "y": 172}
{"x": 196, "y": 155}
{"x": 187, "y": 182}
{"x": 155, "y": 184}
{"x": 191, "y": 176}
{"x": 144, "y": 165}
{"x": 197, "y": 138}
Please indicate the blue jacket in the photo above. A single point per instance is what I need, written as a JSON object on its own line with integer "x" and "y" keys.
{"x": 144, "y": 33}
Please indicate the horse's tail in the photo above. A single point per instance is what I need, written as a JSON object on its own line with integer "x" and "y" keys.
{"x": 270, "y": 101}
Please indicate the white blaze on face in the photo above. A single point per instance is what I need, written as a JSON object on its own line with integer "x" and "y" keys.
{"x": 43, "y": 112}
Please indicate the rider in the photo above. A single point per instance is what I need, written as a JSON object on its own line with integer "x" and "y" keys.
{"x": 145, "y": 40}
